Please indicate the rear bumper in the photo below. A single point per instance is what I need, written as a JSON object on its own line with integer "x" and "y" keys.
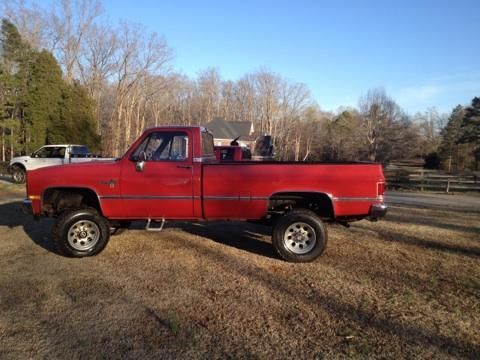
{"x": 27, "y": 207}
{"x": 377, "y": 211}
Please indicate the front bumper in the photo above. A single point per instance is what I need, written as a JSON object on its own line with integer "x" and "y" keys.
{"x": 377, "y": 211}
{"x": 27, "y": 207}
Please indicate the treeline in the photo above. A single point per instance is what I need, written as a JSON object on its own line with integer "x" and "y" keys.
{"x": 130, "y": 84}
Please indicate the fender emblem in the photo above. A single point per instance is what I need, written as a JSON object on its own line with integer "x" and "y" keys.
{"x": 111, "y": 183}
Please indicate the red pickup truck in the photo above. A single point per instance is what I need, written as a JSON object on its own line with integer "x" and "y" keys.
{"x": 171, "y": 173}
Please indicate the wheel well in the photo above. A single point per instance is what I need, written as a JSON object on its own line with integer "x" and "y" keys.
{"x": 19, "y": 165}
{"x": 55, "y": 200}
{"x": 320, "y": 203}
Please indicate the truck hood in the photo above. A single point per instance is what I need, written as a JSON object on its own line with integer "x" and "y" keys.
{"x": 95, "y": 175}
{"x": 20, "y": 159}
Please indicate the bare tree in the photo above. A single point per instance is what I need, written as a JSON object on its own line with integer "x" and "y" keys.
{"x": 138, "y": 57}
{"x": 246, "y": 100}
{"x": 268, "y": 87}
{"x": 31, "y": 21}
{"x": 71, "y": 22}
{"x": 209, "y": 92}
{"x": 430, "y": 123}
{"x": 379, "y": 111}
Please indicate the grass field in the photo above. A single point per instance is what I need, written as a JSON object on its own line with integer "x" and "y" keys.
{"x": 408, "y": 287}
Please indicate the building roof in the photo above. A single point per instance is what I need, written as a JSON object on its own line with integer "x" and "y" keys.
{"x": 222, "y": 129}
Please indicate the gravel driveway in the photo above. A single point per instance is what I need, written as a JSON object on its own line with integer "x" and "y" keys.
{"x": 430, "y": 200}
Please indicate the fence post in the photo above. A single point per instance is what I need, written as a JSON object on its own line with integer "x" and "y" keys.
{"x": 448, "y": 186}
{"x": 421, "y": 180}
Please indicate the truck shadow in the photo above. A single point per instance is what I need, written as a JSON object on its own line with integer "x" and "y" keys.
{"x": 6, "y": 178}
{"x": 11, "y": 216}
{"x": 244, "y": 236}
{"x": 240, "y": 235}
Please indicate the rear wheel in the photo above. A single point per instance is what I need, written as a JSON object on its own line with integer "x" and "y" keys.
{"x": 299, "y": 236}
{"x": 81, "y": 232}
{"x": 19, "y": 174}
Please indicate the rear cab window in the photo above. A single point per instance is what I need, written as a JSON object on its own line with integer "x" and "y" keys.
{"x": 79, "y": 152}
{"x": 207, "y": 145}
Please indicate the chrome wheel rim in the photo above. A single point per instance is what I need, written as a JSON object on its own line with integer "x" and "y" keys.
{"x": 18, "y": 176}
{"x": 300, "y": 238}
{"x": 83, "y": 235}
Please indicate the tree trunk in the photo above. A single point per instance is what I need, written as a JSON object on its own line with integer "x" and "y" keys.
{"x": 3, "y": 143}
{"x": 11, "y": 144}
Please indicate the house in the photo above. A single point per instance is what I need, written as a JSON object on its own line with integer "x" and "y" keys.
{"x": 224, "y": 132}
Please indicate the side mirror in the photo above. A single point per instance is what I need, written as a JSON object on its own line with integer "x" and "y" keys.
{"x": 140, "y": 164}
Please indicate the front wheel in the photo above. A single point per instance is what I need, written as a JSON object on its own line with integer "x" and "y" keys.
{"x": 81, "y": 232}
{"x": 19, "y": 174}
{"x": 299, "y": 236}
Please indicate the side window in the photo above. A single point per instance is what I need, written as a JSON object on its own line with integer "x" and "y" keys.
{"x": 50, "y": 152}
{"x": 79, "y": 151}
{"x": 164, "y": 146}
{"x": 58, "y": 152}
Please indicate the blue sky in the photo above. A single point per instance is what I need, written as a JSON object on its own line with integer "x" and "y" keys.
{"x": 424, "y": 53}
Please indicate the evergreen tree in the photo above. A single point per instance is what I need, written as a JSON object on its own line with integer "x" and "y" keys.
{"x": 13, "y": 49}
{"x": 42, "y": 101}
{"x": 448, "y": 149}
{"x": 470, "y": 133}
{"x": 471, "y": 123}
{"x": 76, "y": 121}
{"x": 16, "y": 59}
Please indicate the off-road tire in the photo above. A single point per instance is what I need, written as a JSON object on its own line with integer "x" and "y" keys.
{"x": 73, "y": 228}
{"x": 19, "y": 174}
{"x": 299, "y": 236}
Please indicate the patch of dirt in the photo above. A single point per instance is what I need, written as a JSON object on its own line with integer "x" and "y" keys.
{"x": 408, "y": 286}
{"x": 9, "y": 190}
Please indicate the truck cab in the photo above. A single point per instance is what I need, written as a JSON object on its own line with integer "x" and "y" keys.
{"x": 48, "y": 155}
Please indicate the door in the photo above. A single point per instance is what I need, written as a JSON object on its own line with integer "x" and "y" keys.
{"x": 163, "y": 187}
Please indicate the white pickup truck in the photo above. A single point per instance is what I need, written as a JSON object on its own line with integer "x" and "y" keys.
{"x": 48, "y": 155}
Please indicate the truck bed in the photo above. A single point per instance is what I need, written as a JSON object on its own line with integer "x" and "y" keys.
{"x": 243, "y": 189}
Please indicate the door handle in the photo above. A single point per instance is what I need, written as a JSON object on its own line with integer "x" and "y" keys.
{"x": 184, "y": 166}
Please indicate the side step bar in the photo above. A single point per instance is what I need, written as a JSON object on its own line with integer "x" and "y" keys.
{"x": 148, "y": 227}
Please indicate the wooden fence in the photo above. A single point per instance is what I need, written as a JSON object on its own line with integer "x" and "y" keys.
{"x": 404, "y": 175}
